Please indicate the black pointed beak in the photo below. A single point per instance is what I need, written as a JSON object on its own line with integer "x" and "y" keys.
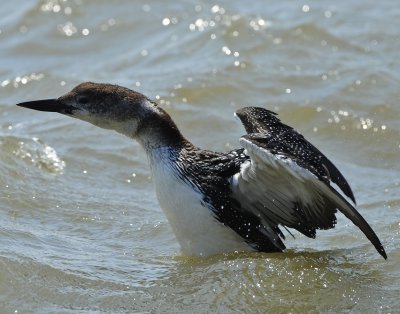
{"x": 49, "y": 105}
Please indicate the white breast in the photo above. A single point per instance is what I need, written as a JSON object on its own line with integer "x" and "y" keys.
{"x": 195, "y": 227}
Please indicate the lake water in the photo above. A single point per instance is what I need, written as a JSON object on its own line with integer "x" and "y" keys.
{"x": 80, "y": 227}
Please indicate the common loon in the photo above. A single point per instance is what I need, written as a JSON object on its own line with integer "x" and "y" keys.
{"x": 223, "y": 202}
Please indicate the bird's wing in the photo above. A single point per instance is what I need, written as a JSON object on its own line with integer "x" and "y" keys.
{"x": 287, "y": 180}
{"x": 281, "y": 138}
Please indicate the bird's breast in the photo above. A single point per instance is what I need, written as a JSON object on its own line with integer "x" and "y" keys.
{"x": 193, "y": 222}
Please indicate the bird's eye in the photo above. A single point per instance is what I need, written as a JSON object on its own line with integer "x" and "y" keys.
{"x": 83, "y": 100}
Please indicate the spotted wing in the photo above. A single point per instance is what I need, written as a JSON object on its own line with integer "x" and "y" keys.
{"x": 287, "y": 180}
{"x": 281, "y": 138}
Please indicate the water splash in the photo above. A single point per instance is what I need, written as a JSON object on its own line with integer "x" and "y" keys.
{"x": 40, "y": 155}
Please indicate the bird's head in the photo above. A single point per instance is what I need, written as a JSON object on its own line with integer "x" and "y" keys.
{"x": 104, "y": 105}
{"x": 118, "y": 108}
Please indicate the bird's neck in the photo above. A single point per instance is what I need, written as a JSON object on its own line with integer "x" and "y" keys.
{"x": 158, "y": 131}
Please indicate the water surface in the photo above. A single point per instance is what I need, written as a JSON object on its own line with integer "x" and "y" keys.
{"x": 80, "y": 227}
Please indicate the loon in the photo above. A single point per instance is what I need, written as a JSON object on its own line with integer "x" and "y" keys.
{"x": 223, "y": 202}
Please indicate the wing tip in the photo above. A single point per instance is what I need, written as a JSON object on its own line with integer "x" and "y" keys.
{"x": 382, "y": 252}
{"x": 351, "y": 213}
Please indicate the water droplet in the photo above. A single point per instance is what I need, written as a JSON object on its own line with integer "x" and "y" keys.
{"x": 5, "y": 83}
{"x": 306, "y": 8}
{"x": 56, "y": 8}
{"x": 166, "y": 21}
{"x": 215, "y": 9}
{"x": 226, "y": 50}
{"x": 67, "y": 11}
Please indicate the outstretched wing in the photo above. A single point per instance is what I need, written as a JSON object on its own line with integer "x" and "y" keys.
{"x": 282, "y": 139}
{"x": 287, "y": 180}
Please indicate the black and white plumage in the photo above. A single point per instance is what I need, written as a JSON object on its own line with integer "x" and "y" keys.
{"x": 222, "y": 202}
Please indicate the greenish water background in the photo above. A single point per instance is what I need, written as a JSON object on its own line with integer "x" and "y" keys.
{"x": 80, "y": 227}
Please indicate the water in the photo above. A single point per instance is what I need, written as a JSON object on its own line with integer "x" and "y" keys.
{"x": 80, "y": 228}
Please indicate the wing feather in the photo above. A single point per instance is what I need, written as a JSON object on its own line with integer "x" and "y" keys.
{"x": 281, "y": 138}
{"x": 287, "y": 180}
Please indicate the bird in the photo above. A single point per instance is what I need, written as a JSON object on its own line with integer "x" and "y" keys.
{"x": 221, "y": 202}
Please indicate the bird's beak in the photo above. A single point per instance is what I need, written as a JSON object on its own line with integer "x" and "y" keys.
{"x": 49, "y": 105}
